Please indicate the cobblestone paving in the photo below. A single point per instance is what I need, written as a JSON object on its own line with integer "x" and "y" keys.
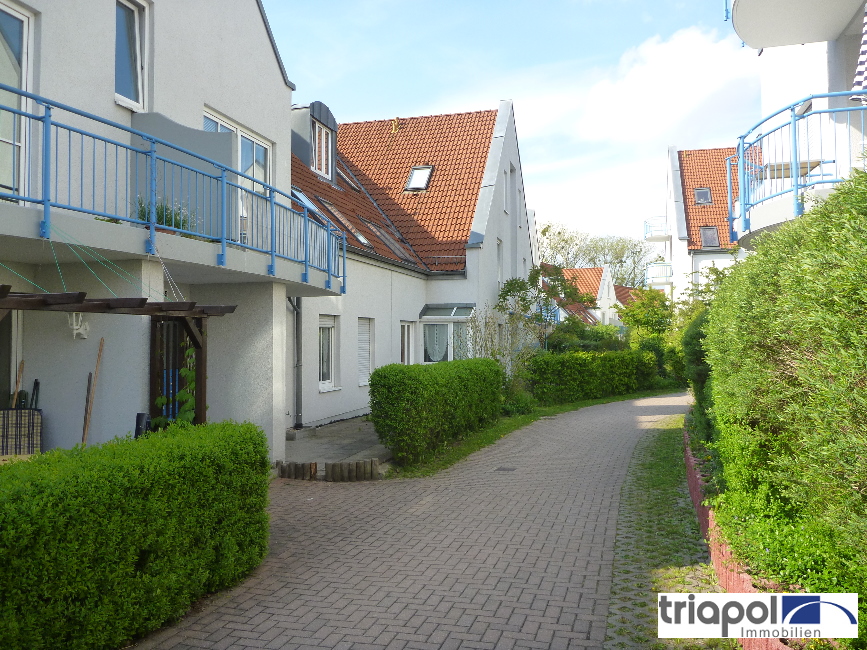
{"x": 511, "y": 548}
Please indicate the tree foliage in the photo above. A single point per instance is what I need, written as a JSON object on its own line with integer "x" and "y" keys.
{"x": 651, "y": 312}
{"x": 626, "y": 257}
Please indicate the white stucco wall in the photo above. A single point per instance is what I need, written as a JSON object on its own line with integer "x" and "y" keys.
{"x": 379, "y": 291}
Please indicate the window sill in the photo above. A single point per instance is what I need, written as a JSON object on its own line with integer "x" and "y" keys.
{"x": 120, "y": 100}
{"x": 329, "y": 389}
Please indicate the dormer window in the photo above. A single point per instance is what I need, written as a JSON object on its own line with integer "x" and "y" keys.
{"x": 702, "y": 196}
{"x": 322, "y": 137}
{"x": 419, "y": 178}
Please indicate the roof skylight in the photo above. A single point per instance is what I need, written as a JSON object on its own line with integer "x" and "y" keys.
{"x": 344, "y": 222}
{"x": 702, "y": 196}
{"x": 419, "y": 178}
{"x": 709, "y": 237}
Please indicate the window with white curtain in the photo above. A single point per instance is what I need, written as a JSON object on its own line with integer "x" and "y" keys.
{"x": 327, "y": 338}
{"x": 129, "y": 55}
{"x": 365, "y": 350}
{"x": 436, "y": 342}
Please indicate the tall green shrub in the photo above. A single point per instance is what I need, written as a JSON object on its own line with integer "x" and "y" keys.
{"x": 787, "y": 345}
{"x": 104, "y": 543}
{"x": 420, "y": 408}
{"x": 697, "y": 372}
{"x": 573, "y": 376}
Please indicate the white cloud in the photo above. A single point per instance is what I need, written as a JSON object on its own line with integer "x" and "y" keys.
{"x": 594, "y": 140}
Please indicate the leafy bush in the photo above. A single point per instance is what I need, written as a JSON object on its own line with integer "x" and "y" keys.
{"x": 420, "y": 408}
{"x": 104, "y": 543}
{"x": 697, "y": 373}
{"x": 787, "y": 346}
{"x": 573, "y": 335}
{"x": 573, "y": 376}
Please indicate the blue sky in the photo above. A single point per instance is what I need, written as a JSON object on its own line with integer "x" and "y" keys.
{"x": 601, "y": 87}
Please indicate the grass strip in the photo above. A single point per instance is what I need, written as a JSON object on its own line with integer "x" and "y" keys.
{"x": 659, "y": 546}
{"x": 460, "y": 449}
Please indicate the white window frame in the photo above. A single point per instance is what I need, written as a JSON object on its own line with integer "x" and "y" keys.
{"x": 365, "y": 355}
{"x": 329, "y": 322}
{"x": 323, "y": 168}
{"x": 27, "y": 47}
{"x": 406, "y": 340}
{"x": 141, "y": 45}
{"x": 241, "y": 132}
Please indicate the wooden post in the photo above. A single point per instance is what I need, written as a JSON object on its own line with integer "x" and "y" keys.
{"x": 14, "y": 403}
{"x": 202, "y": 373}
{"x": 92, "y": 393}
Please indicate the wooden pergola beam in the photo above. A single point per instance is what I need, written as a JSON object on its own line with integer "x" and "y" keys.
{"x": 78, "y": 302}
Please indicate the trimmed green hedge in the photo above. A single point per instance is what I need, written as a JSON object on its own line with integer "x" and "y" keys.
{"x": 104, "y": 543}
{"x": 420, "y": 408}
{"x": 787, "y": 345}
{"x": 574, "y": 376}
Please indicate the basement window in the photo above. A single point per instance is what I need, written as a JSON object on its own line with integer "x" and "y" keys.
{"x": 709, "y": 237}
{"x": 419, "y": 178}
{"x": 702, "y": 196}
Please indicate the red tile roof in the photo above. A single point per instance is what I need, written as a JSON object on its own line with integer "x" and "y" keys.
{"x": 623, "y": 294}
{"x": 354, "y": 206}
{"x": 436, "y": 221}
{"x": 582, "y": 312}
{"x": 706, "y": 168}
{"x": 587, "y": 280}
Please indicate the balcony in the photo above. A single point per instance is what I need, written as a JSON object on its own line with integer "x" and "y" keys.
{"x": 57, "y": 160}
{"x": 800, "y": 152}
{"x": 658, "y": 274}
{"x": 656, "y": 229}
{"x": 768, "y": 23}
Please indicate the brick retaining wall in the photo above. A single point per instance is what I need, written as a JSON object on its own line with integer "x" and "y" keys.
{"x": 729, "y": 573}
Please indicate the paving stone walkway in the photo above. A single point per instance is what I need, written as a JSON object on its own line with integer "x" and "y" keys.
{"x": 511, "y": 548}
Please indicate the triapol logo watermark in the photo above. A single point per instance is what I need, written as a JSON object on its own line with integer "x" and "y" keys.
{"x": 778, "y": 616}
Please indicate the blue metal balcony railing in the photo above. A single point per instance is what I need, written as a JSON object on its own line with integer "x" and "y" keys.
{"x": 812, "y": 143}
{"x": 83, "y": 164}
{"x": 658, "y": 273}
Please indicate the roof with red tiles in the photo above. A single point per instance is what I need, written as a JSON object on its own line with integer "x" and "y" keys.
{"x": 624, "y": 294}
{"x": 581, "y": 311}
{"x": 706, "y": 168}
{"x": 435, "y": 221}
{"x": 587, "y": 280}
{"x": 346, "y": 205}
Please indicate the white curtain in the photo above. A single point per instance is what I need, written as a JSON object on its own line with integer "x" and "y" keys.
{"x": 436, "y": 342}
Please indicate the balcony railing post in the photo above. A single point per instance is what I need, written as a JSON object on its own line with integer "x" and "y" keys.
{"x": 328, "y": 237}
{"x": 151, "y": 243}
{"x": 45, "y": 226}
{"x": 732, "y": 233}
{"x": 272, "y": 267}
{"x": 343, "y": 282}
{"x": 796, "y": 166}
{"x": 221, "y": 256}
{"x": 742, "y": 184}
{"x": 305, "y": 277}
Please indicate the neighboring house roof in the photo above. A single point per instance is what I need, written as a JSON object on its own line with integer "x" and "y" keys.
{"x": 624, "y": 294}
{"x": 437, "y": 220}
{"x": 581, "y": 311}
{"x": 353, "y": 211}
{"x": 706, "y": 168}
{"x": 587, "y": 280}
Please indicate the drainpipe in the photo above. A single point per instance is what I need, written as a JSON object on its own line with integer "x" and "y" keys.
{"x": 296, "y": 306}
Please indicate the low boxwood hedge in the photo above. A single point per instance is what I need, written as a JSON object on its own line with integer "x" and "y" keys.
{"x": 104, "y": 543}
{"x": 419, "y": 408}
{"x": 574, "y": 376}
